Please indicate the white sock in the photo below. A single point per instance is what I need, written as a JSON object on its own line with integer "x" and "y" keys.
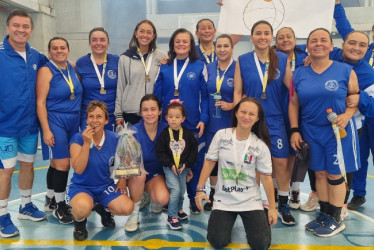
{"x": 60, "y": 197}
{"x": 50, "y": 193}
{"x": 136, "y": 207}
{"x": 3, "y": 207}
{"x": 295, "y": 186}
{"x": 283, "y": 193}
{"x": 80, "y": 220}
{"x": 213, "y": 187}
{"x": 25, "y": 197}
{"x": 275, "y": 183}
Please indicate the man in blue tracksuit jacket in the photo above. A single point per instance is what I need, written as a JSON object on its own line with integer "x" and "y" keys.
{"x": 18, "y": 121}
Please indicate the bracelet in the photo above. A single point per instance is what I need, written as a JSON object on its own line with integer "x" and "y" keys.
{"x": 199, "y": 196}
{"x": 202, "y": 187}
{"x": 293, "y": 130}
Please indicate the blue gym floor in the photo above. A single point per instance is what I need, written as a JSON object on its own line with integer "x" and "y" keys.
{"x": 153, "y": 233}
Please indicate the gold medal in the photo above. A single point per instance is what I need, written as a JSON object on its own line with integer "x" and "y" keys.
{"x": 147, "y": 78}
{"x": 176, "y": 92}
{"x": 102, "y": 91}
{"x": 263, "y": 96}
{"x": 72, "y": 96}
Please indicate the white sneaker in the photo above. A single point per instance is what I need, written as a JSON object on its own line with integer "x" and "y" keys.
{"x": 132, "y": 222}
{"x": 344, "y": 213}
{"x": 156, "y": 208}
{"x": 311, "y": 204}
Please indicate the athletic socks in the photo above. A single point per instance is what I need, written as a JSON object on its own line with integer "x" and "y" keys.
{"x": 25, "y": 197}
{"x": 3, "y": 207}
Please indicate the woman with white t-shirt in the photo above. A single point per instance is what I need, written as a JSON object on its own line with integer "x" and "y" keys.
{"x": 238, "y": 187}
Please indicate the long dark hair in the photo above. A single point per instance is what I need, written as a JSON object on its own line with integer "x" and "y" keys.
{"x": 134, "y": 42}
{"x": 192, "y": 54}
{"x": 273, "y": 57}
{"x": 259, "y": 128}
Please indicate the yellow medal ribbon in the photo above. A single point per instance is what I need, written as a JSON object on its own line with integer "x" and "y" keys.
{"x": 205, "y": 55}
{"x": 371, "y": 61}
{"x": 176, "y": 153}
{"x": 68, "y": 81}
{"x": 219, "y": 79}
{"x": 293, "y": 63}
{"x": 266, "y": 76}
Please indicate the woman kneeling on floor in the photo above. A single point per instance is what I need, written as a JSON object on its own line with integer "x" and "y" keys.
{"x": 92, "y": 154}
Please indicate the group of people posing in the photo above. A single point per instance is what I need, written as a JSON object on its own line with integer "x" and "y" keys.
{"x": 197, "y": 113}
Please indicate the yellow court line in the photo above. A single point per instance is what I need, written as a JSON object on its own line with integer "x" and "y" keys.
{"x": 371, "y": 176}
{"x": 157, "y": 244}
{"x": 16, "y": 172}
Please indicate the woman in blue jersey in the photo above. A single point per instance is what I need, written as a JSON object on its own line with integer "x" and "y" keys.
{"x": 322, "y": 85}
{"x": 285, "y": 41}
{"x": 59, "y": 95}
{"x": 261, "y": 74}
{"x": 220, "y": 90}
{"x": 92, "y": 154}
{"x": 184, "y": 77}
{"x": 147, "y": 131}
{"x": 98, "y": 72}
{"x": 137, "y": 70}
{"x": 205, "y": 32}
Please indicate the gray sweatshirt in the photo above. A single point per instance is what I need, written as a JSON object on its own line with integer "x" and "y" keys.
{"x": 131, "y": 85}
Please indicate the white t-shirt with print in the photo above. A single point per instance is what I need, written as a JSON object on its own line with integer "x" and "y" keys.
{"x": 246, "y": 195}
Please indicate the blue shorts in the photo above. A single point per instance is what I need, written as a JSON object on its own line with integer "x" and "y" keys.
{"x": 279, "y": 140}
{"x": 323, "y": 148}
{"x": 101, "y": 194}
{"x": 21, "y": 148}
{"x": 63, "y": 126}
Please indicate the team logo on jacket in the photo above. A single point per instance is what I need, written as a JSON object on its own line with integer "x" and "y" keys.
{"x": 34, "y": 66}
{"x": 230, "y": 82}
{"x": 111, "y": 161}
{"x": 112, "y": 74}
{"x": 191, "y": 75}
{"x": 332, "y": 85}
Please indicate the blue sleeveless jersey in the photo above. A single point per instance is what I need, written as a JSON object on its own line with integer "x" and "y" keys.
{"x": 58, "y": 99}
{"x": 227, "y": 91}
{"x": 252, "y": 85}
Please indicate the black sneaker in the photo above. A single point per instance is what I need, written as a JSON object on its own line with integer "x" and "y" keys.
{"x": 285, "y": 215}
{"x": 356, "y": 202}
{"x": 50, "y": 204}
{"x": 106, "y": 217}
{"x": 80, "y": 230}
{"x": 193, "y": 207}
{"x": 63, "y": 213}
{"x": 182, "y": 215}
